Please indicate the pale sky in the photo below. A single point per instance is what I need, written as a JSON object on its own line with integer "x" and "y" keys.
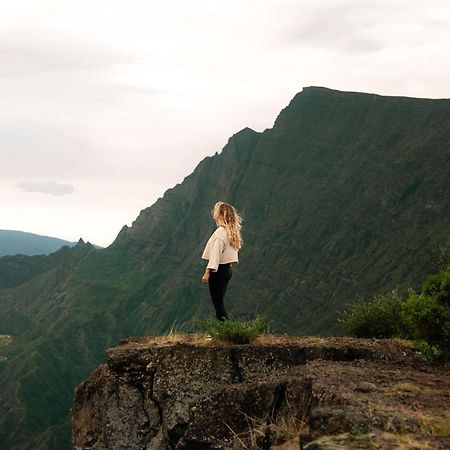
{"x": 107, "y": 104}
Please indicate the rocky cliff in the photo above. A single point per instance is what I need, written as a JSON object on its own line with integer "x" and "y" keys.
{"x": 281, "y": 392}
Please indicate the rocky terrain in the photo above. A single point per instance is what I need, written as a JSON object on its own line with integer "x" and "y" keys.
{"x": 281, "y": 392}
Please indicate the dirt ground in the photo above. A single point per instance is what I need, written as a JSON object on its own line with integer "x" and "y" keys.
{"x": 378, "y": 405}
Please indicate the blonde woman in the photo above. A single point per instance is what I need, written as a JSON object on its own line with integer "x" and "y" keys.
{"x": 221, "y": 251}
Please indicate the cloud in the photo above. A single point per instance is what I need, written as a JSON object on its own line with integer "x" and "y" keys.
{"x": 46, "y": 187}
{"x": 346, "y": 27}
{"x": 33, "y": 149}
{"x": 357, "y": 27}
{"x": 34, "y": 52}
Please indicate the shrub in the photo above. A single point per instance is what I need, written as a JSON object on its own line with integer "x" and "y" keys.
{"x": 423, "y": 317}
{"x": 438, "y": 286}
{"x": 426, "y": 319}
{"x": 429, "y": 353}
{"x": 235, "y": 331}
{"x": 379, "y": 317}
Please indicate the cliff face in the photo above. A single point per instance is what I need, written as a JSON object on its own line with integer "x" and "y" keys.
{"x": 197, "y": 395}
{"x": 181, "y": 395}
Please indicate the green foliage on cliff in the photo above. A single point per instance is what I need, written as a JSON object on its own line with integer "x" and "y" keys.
{"x": 423, "y": 316}
{"x": 234, "y": 331}
{"x": 379, "y": 317}
{"x": 347, "y": 195}
{"x": 438, "y": 286}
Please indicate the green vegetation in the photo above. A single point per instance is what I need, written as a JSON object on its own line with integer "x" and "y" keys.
{"x": 423, "y": 317}
{"x": 234, "y": 331}
{"x": 438, "y": 287}
{"x": 380, "y": 317}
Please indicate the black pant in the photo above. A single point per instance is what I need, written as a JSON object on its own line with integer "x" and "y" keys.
{"x": 217, "y": 287}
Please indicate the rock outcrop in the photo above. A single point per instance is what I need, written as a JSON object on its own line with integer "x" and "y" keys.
{"x": 196, "y": 394}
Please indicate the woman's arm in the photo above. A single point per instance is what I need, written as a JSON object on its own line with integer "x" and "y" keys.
{"x": 213, "y": 263}
{"x": 205, "y": 277}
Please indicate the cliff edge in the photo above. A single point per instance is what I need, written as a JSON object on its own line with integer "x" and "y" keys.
{"x": 281, "y": 392}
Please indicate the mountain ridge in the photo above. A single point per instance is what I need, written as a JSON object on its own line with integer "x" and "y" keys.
{"x": 14, "y": 242}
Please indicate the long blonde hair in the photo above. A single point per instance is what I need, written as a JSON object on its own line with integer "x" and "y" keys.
{"x": 229, "y": 218}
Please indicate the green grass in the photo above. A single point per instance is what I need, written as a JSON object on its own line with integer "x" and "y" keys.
{"x": 234, "y": 331}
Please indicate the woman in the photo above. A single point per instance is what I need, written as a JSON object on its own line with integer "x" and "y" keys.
{"x": 222, "y": 250}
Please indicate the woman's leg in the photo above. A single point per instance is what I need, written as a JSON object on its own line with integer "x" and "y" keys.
{"x": 218, "y": 282}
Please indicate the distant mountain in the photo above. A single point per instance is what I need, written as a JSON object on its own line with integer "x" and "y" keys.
{"x": 20, "y": 242}
{"x": 346, "y": 196}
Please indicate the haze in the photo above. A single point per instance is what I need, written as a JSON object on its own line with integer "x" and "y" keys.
{"x": 106, "y": 104}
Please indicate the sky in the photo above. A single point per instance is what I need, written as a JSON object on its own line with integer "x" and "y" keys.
{"x": 107, "y": 104}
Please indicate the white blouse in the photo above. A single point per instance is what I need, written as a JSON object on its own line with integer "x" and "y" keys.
{"x": 218, "y": 250}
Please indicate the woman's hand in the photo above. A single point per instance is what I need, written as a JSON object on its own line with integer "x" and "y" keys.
{"x": 205, "y": 277}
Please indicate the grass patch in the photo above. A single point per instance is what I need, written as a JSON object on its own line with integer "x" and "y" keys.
{"x": 234, "y": 331}
{"x": 441, "y": 428}
{"x": 407, "y": 343}
{"x": 407, "y": 387}
{"x": 288, "y": 426}
{"x": 176, "y": 335}
{"x": 433, "y": 426}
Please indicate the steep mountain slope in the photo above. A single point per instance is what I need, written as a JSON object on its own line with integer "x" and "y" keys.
{"x": 19, "y": 242}
{"x": 346, "y": 195}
